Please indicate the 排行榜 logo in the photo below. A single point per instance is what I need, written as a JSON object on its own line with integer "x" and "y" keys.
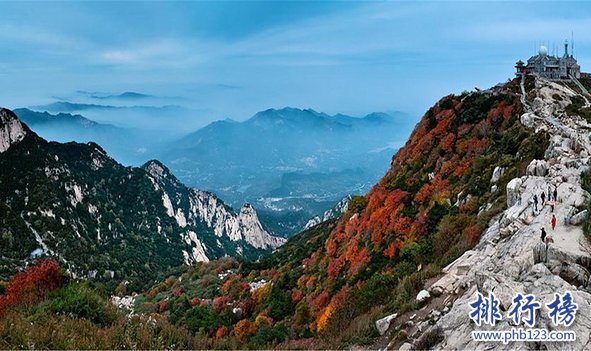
{"x": 561, "y": 310}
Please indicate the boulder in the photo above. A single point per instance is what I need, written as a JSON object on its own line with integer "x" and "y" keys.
{"x": 405, "y": 347}
{"x": 436, "y": 290}
{"x": 497, "y": 174}
{"x": 382, "y": 325}
{"x": 423, "y": 295}
{"x": 540, "y": 253}
{"x": 579, "y": 218}
{"x": 513, "y": 191}
{"x": 574, "y": 274}
{"x": 537, "y": 168}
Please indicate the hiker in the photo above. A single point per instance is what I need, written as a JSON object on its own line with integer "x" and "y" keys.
{"x": 552, "y": 203}
{"x": 553, "y": 222}
{"x": 536, "y": 202}
{"x": 555, "y": 194}
{"x": 519, "y": 197}
{"x": 543, "y": 237}
{"x": 543, "y": 196}
{"x": 549, "y": 192}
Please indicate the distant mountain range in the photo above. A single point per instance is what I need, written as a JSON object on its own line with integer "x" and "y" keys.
{"x": 101, "y": 219}
{"x": 128, "y": 95}
{"x": 66, "y": 106}
{"x": 293, "y": 163}
{"x": 129, "y": 146}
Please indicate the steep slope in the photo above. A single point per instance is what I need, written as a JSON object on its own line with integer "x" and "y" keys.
{"x": 104, "y": 220}
{"x": 441, "y": 191}
{"x": 289, "y": 161}
{"x": 510, "y": 257}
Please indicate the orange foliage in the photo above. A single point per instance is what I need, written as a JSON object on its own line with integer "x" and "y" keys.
{"x": 472, "y": 233}
{"x": 392, "y": 249}
{"x": 447, "y": 142}
{"x": 336, "y": 302}
{"x": 263, "y": 319}
{"x": 220, "y": 302}
{"x": 221, "y": 332}
{"x": 243, "y": 329}
{"x": 296, "y": 296}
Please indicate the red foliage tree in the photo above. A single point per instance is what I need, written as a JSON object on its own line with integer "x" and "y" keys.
{"x": 32, "y": 285}
{"x": 220, "y": 302}
{"x": 221, "y": 332}
{"x": 162, "y": 306}
{"x": 296, "y": 296}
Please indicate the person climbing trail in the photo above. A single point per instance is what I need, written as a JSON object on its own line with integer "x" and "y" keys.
{"x": 549, "y": 192}
{"x": 543, "y": 196}
{"x": 552, "y": 203}
{"x": 553, "y": 222}
{"x": 555, "y": 194}
{"x": 543, "y": 236}
{"x": 535, "y": 202}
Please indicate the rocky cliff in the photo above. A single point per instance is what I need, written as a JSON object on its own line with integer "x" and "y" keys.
{"x": 510, "y": 258}
{"x": 103, "y": 220}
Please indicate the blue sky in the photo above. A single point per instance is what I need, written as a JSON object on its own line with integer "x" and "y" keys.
{"x": 232, "y": 59}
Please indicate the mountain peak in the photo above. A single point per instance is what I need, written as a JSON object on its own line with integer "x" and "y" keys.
{"x": 11, "y": 129}
{"x": 156, "y": 169}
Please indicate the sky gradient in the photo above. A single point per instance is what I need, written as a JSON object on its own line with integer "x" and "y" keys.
{"x": 232, "y": 59}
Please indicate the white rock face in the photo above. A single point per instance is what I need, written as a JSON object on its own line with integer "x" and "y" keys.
{"x": 513, "y": 192}
{"x": 497, "y": 174}
{"x": 383, "y": 324}
{"x": 244, "y": 226}
{"x": 197, "y": 252}
{"x": 423, "y": 295}
{"x": 11, "y": 130}
{"x": 204, "y": 207}
{"x": 340, "y": 208}
{"x": 537, "y": 168}
{"x": 511, "y": 258}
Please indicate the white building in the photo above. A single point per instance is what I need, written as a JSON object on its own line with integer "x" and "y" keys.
{"x": 550, "y": 67}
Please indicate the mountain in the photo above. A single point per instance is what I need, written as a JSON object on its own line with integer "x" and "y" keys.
{"x": 400, "y": 269}
{"x": 335, "y": 212}
{"x": 67, "y": 106}
{"x": 128, "y": 95}
{"x": 447, "y": 189}
{"x": 127, "y": 145}
{"x": 510, "y": 257}
{"x": 292, "y": 163}
{"x": 100, "y": 219}
{"x": 62, "y": 120}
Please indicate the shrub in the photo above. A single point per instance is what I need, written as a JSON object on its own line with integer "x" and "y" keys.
{"x": 32, "y": 285}
{"x": 357, "y": 203}
{"x": 81, "y": 300}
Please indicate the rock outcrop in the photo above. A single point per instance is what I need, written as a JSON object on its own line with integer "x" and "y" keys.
{"x": 11, "y": 129}
{"x": 511, "y": 257}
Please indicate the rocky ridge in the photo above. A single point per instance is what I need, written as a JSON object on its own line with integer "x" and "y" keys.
{"x": 336, "y": 211}
{"x": 103, "y": 220}
{"x": 510, "y": 257}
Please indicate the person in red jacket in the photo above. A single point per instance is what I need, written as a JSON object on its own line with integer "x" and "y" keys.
{"x": 553, "y": 221}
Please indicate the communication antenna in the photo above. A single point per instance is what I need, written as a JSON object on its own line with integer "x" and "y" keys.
{"x": 572, "y": 43}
